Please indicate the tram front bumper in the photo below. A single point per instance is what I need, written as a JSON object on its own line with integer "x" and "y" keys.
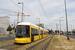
{"x": 21, "y": 40}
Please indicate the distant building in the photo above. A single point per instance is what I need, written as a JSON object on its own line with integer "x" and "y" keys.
{"x": 40, "y": 25}
{"x": 4, "y": 23}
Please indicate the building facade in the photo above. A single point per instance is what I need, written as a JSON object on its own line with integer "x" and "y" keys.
{"x": 4, "y": 23}
{"x": 40, "y": 25}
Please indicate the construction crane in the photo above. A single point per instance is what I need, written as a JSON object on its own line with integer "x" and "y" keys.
{"x": 14, "y": 12}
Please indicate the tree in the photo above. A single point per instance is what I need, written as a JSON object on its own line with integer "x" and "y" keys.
{"x": 52, "y": 31}
{"x": 73, "y": 31}
{"x": 9, "y": 28}
{"x": 15, "y": 29}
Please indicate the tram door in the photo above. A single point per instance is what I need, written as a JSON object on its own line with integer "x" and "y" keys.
{"x": 41, "y": 34}
{"x": 32, "y": 37}
{"x": 32, "y": 34}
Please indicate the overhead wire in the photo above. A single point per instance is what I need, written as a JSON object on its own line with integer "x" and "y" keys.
{"x": 21, "y": 8}
{"x": 16, "y": 4}
{"x": 43, "y": 9}
{"x": 29, "y": 10}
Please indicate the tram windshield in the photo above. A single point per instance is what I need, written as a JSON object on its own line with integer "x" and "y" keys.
{"x": 22, "y": 31}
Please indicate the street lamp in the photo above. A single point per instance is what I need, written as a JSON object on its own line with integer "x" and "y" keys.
{"x": 22, "y": 10}
{"x": 14, "y": 23}
{"x": 66, "y": 19}
{"x": 39, "y": 21}
{"x": 60, "y": 24}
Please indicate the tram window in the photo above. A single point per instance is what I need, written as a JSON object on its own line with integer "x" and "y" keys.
{"x": 37, "y": 32}
{"x": 27, "y": 31}
{"x": 44, "y": 32}
{"x": 34, "y": 32}
{"x": 41, "y": 32}
{"x": 23, "y": 31}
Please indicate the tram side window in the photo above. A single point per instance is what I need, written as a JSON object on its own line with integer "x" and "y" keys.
{"x": 41, "y": 32}
{"x": 44, "y": 32}
{"x": 37, "y": 32}
{"x": 34, "y": 32}
{"x": 47, "y": 32}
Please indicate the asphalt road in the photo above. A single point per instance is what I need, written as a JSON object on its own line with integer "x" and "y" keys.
{"x": 12, "y": 38}
{"x": 6, "y": 38}
{"x": 72, "y": 36}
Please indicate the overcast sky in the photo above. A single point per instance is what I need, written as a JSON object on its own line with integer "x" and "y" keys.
{"x": 54, "y": 9}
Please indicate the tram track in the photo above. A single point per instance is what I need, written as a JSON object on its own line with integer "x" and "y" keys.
{"x": 44, "y": 48}
{"x": 26, "y": 46}
{"x": 40, "y": 44}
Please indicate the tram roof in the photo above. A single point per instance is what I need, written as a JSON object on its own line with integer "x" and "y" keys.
{"x": 27, "y": 23}
{"x": 41, "y": 27}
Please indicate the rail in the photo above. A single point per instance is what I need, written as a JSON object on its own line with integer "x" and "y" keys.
{"x": 44, "y": 48}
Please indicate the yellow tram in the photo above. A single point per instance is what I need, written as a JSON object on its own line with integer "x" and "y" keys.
{"x": 27, "y": 32}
